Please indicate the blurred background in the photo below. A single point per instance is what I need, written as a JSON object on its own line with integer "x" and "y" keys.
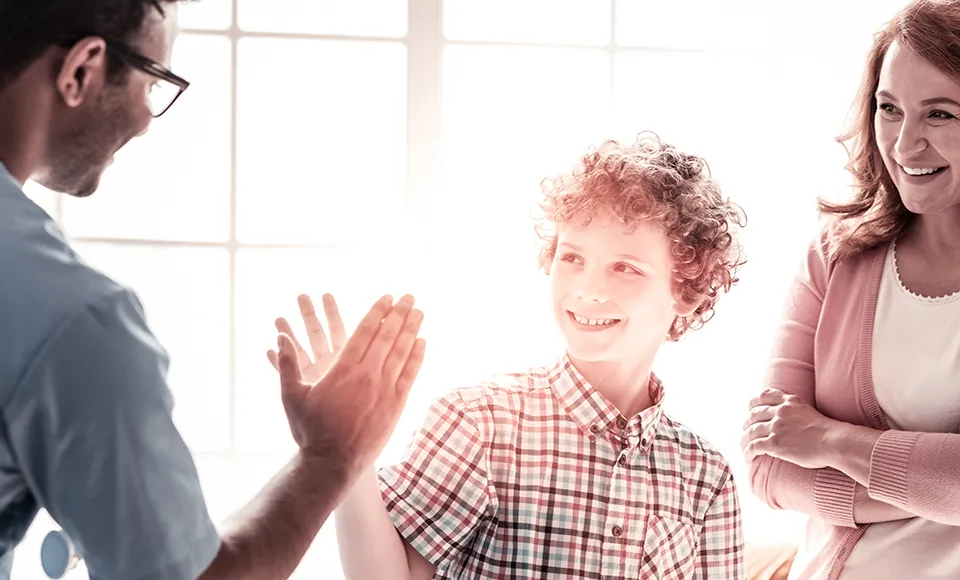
{"x": 367, "y": 146}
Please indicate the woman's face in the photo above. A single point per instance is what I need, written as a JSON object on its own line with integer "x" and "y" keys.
{"x": 917, "y": 126}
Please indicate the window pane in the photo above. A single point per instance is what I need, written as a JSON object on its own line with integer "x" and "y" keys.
{"x": 696, "y": 24}
{"x": 209, "y": 14}
{"x": 512, "y": 116}
{"x": 343, "y": 17}
{"x": 322, "y": 149}
{"x": 216, "y": 479}
{"x": 682, "y": 97}
{"x": 549, "y": 21}
{"x": 849, "y": 28}
{"x": 268, "y": 283}
{"x": 185, "y": 294}
{"x": 173, "y": 183}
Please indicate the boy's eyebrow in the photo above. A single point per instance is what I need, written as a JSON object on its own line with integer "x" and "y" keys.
{"x": 630, "y": 257}
{"x": 633, "y": 258}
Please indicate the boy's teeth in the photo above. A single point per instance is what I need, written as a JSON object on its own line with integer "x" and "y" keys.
{"x": 924, "y": 171}
{"x": 593, "y": 321}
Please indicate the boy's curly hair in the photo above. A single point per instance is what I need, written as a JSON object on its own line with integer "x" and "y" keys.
{"x": 653, "y": 181}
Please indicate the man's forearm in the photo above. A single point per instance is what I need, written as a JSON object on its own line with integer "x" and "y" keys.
{"x": 268, "y": 538}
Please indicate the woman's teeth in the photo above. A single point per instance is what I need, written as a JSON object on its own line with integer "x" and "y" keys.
{"x": 921, "y": 170}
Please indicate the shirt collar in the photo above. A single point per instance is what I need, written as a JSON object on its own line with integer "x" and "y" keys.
{"x": 595, "y": 415}
{"x": 7, "y": 181}
{"x": 7, "y": 178}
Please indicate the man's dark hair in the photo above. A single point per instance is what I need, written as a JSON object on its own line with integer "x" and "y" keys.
{"x": 29, "y": 27}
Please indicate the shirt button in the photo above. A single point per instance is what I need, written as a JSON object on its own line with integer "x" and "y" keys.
{"x": 622, "y": 461}
{"x": 621, "y": 423}
{"x": 594, "y": 428}
{"x": 617, "y": 531}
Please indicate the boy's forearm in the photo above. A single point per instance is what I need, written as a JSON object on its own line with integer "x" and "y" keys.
{"x": 364, "y": 528}
{"x": 268, "y": 538}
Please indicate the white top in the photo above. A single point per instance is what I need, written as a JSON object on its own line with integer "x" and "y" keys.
{"x": 916, "y": 376}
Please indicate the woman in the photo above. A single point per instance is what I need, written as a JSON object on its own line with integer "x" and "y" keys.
{"x": 858, "y": 427}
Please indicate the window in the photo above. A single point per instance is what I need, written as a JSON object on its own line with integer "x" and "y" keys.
{"x": 370, "y": 146}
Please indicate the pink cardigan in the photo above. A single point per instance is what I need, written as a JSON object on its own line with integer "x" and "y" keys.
{"x": 822, "y": 353}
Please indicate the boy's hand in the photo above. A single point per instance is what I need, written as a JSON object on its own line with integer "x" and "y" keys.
{"x": 347, "y": 415}
{"x": 324, "y": 351}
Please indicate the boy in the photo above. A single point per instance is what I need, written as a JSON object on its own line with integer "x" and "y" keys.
{"x": 573, "y": 471}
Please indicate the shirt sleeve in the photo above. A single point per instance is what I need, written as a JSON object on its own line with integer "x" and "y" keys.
{"x": 438, "y": 495}
{"x": 91, "y": 426}
{"x": 824, "y": 493}
{"x": 721, "y": 547}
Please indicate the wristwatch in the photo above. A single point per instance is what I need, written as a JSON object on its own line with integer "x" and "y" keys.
{"x": 58, "y": 555}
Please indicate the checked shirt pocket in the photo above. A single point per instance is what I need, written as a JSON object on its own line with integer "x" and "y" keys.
{"x": 669, "y": 546}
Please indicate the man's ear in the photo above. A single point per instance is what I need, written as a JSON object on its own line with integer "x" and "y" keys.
{"x": 83, "y": 72}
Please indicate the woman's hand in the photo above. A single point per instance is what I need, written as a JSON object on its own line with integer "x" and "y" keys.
{"x": 783, "y": 426}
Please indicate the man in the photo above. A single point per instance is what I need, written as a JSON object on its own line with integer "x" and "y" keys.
{"x": 85, "y": 412}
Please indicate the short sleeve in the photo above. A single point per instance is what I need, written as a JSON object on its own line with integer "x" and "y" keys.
{"x": 91, "y": 427}
{"x": 438, "y": 495}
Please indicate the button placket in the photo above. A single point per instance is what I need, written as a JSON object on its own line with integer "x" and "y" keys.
{"x": 618, "y": 557}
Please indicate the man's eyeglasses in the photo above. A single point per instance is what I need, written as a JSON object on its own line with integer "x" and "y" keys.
{"x": 166, "y": 88}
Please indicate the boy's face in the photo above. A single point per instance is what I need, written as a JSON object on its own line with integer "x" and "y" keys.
{"x": 611, "y": 287}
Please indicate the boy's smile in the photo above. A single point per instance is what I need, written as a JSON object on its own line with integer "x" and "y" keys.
{"x": 592, "y": 324}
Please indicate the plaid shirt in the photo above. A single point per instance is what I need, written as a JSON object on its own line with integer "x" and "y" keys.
{"x": 538, "y": 476}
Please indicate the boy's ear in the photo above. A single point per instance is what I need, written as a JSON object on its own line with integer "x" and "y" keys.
{"x": 684, "y": 309}
{"x": 546, "y": 262}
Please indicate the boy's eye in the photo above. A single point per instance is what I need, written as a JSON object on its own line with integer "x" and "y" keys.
{"x": 626, "y": 268}
{"x": 572, "y": 258}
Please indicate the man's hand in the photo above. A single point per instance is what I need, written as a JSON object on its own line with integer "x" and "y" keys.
{"x": 346, "y": 417}
{"x": 783, "y": 426}
{"x": 324, "y": 351}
